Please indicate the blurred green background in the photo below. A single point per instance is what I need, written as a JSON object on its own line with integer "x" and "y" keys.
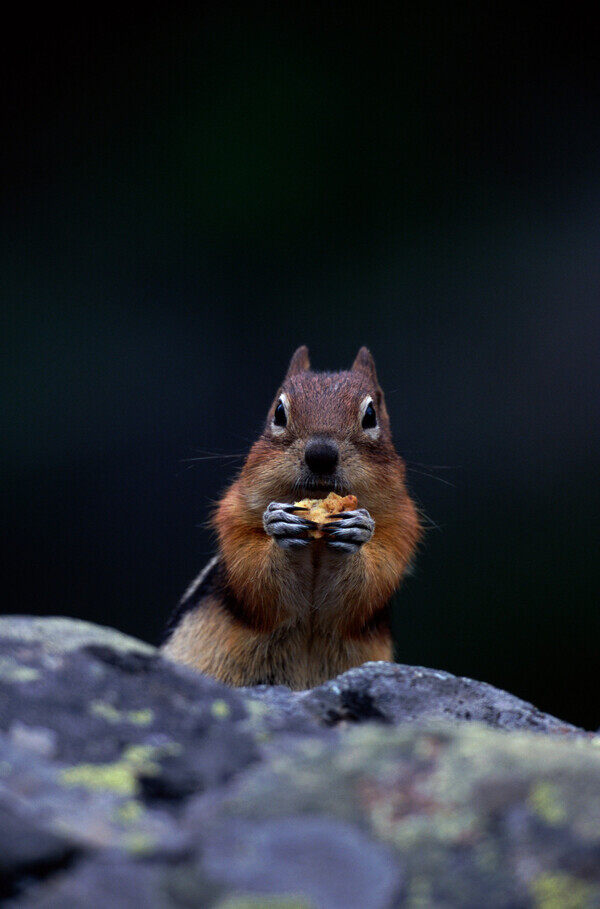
{"x": 189, "y": 196}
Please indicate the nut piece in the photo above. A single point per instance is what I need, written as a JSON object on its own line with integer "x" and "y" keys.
{"x": 323, "y": 510}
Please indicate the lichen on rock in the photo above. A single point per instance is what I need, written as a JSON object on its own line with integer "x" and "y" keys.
{"x": 123, "y": 773}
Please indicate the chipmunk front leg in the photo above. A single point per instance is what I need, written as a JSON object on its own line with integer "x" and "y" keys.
{"x": 350, "y": 531}
{"x": 288, "y": 530}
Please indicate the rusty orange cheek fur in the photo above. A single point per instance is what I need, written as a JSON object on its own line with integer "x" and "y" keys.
{"x": 268, "y": 474}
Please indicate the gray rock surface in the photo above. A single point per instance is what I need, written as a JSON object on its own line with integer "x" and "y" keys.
{"x": 393, "y": 693}
{"x": 126, "y": 780}
{"x": 59, "y": 634}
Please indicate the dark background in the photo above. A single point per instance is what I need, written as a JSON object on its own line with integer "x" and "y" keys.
{"x": 190, "y": 195}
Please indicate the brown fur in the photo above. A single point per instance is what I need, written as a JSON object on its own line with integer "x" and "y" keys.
{"x": 306, "y": 615}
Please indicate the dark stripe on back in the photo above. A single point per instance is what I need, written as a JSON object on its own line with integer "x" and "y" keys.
{"x": 190, "y": 602}
{"x": 380, "y": 622}
{"x": 213, "y": 584}
{"x": 229, "y": 601}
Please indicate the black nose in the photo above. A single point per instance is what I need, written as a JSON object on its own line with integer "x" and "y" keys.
{"x": 321, "y": 455}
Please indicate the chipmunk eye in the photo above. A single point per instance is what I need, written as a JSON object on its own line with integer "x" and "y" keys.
{"x": 280, "y": 418}
{"x": 369, "y": 421}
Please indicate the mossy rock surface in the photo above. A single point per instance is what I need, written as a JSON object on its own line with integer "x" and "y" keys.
{"x": 59, "y": 634}
{"x": 124, "y": 774}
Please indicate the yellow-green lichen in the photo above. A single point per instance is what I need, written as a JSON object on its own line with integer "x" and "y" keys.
{"x": 110, "y": 713}
{"x": 117, "y": 777}
{"x": 562, "y": 891}
{"x": 265, "y": 902}
{"x": 12, "y": 671}
{"x": 120, "y": 776}
{"x": 142, "y": 755}
{"x": 129, "y": 812}
{"x": 105, "y": 711}
{"x": 139, "y": 843}
{"x": 141, "y": 717}
{"x": 545, "y": 799}
{"x": 220, "y": 709}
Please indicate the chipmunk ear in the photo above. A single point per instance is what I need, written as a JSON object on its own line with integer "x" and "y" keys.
{"x": 365, "y": 363}
{"x": 299, "y": 362}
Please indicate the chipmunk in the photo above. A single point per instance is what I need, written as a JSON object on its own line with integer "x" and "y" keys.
{"x": 276, "y": 606}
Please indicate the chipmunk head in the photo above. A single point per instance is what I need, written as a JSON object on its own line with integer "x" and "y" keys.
{"x": 325, "y": 431}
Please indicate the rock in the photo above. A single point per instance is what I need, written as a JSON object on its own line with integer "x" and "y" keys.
{"x": 403, "y": 694}
{"x": 28, "y": 851}
{"x": 58, "y": 635}
{"x": 128, "y": 780}
{"x": 326, "y": 861}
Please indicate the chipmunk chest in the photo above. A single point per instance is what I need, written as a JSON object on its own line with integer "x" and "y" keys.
{"x": 318, "y": 575}
{"x": 303, "y": 658}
